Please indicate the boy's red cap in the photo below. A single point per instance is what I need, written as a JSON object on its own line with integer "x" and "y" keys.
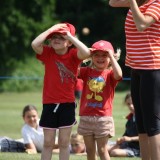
{"x": 69, "y": 28}
{"x": 101, "y": 46}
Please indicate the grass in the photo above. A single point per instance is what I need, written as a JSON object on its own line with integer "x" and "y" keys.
{"x": 11, "y": 120}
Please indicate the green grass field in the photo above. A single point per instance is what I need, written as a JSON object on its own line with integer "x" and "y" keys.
{"x": 11, "y": 105}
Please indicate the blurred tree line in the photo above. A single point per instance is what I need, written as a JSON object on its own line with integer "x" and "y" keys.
{"x": 22, "y": 21}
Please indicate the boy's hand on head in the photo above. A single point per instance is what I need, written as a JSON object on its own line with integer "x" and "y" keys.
{"x": 58, "y": 27}
{"x": 66, "y": 34}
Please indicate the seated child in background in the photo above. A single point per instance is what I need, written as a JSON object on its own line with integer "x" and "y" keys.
{"x": 128, "y": 144}
{"x": 10, "y": 145}
{"x": 32, "y": 134}
{"x": 76, "y": 146}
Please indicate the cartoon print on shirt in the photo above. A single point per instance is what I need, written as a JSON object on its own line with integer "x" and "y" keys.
{"x": 65, "y": 73}
{"x": 96, "y": 85}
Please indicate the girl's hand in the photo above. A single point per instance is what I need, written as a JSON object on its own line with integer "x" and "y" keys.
{"x": 119, "y": 140}
{"x": 123, "y": 139}
{"x": 110, "y": 53}
{"x": 117, "y": 54}
{"x": 31, "y": 151}
{"x": 127, "y": 139}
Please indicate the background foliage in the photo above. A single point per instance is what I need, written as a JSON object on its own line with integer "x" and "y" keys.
{"x": 22, "y": 21}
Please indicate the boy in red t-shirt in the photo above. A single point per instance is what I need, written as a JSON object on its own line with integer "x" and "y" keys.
{"x": 61, "y": 62}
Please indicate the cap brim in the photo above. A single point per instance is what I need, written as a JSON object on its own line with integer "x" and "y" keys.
{"x": 93, "y": 50}
{"x": 60, "y": 31}
{"x": 69, "y": 27}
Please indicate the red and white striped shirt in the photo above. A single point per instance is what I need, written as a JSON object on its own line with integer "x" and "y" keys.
{"x": 143, "y": 48}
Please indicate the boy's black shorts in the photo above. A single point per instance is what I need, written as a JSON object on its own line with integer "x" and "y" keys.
{"x": 59, "y": 115}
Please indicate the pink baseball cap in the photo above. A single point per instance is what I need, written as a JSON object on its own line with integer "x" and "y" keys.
{"x": 69, "y": 28}
{"x": 101, "y": 46}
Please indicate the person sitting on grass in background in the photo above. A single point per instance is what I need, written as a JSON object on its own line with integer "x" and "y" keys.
{"x": 99, "y": 83}
{"x": 128, "y": 144}
{"x": 76, "y": 146}
{"x": 61, "y": 61}
{"x": 32, "y": 133}
{"x": 33, "y": 136}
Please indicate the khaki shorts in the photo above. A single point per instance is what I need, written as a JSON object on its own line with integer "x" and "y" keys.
{"x": 98, "y": 126}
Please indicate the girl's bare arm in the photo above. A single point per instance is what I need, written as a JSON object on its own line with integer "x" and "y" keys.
{"x": 115, "y": 66}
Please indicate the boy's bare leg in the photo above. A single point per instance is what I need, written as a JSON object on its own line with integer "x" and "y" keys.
{"x": 64, "y": 139}
{"x": 49, "y": 140}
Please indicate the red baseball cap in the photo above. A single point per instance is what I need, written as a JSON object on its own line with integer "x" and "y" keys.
{"x": 69, "y": 28}
{"x": 101, "y": 46}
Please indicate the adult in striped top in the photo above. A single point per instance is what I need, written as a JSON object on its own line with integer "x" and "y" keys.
{"x": 142, "y": 28}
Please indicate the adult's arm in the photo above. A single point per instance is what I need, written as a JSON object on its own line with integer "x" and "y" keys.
{"x": 141, "y": 21}
{"x": 119, "y": 3}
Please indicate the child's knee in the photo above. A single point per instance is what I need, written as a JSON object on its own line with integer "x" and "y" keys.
{"x": 48, "y": 143}
{"x": 113, "y": 153}
{"x": 63, "y": 145}
{"x": 102, "y": 151}
{"x": 90, "y": 150}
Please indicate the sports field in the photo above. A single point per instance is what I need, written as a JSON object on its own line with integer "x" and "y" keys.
{"x": 11, "y": 105}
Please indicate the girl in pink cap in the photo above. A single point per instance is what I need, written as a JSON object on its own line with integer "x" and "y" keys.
{"x": 61, "y": 62}
{"x": 99, "y": 82}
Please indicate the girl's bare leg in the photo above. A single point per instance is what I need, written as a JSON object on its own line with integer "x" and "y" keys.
{"x": 90, "y": 147}
{"x": 102, "y": 148}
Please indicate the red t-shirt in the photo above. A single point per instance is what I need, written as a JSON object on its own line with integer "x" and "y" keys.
{"x": 60, "y": 75}
{"x": 79, "y": 85}
{"x": 98, "y": 92}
